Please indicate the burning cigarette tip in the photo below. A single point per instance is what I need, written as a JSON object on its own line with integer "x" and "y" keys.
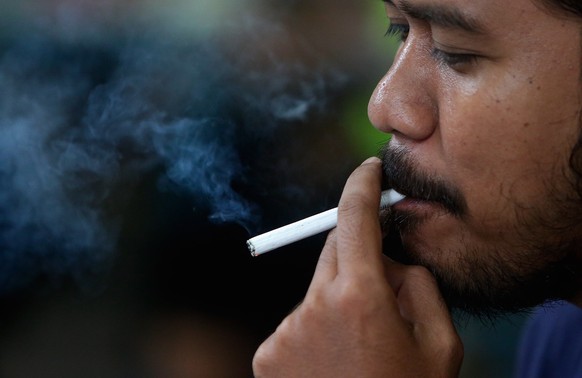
{"x": 251, "y": 248}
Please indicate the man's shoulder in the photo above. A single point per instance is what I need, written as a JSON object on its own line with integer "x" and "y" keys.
{"x": 551, "y": 345}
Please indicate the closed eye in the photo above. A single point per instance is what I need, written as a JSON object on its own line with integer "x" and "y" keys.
{"x": 398, "y": 30}
{"x": 454, "y": 60}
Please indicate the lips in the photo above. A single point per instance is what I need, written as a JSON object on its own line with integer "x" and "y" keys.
{"x": 420, "y": 191}
{"x": 403, "y": 174}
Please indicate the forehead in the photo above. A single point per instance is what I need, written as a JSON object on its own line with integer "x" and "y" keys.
{"x": 485, "y": 10}
{"x": 496, "y": 17}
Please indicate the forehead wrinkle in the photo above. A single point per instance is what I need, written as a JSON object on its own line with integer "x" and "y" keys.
{"x": 444, "y": 16}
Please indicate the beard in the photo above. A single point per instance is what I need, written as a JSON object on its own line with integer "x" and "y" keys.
{"x": 537, "y": 266}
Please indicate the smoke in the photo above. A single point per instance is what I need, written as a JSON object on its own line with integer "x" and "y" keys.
{"x": 79, "y": 117}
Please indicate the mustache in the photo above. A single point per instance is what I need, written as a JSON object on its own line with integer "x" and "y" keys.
{"x": 402, "y": 174}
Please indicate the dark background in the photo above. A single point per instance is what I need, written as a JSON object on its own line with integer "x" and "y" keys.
{"x": 174, "y": 292}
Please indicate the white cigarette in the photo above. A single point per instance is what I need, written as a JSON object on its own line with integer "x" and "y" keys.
{"x": 307, "y": 227}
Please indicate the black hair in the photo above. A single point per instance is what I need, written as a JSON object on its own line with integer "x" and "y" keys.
{"x": 572, "y": 7}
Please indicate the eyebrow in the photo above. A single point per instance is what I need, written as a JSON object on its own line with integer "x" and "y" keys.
{"x": 440, "y": 15}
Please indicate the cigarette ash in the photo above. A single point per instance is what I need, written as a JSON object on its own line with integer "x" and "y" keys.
{"x": 80, "y": 121}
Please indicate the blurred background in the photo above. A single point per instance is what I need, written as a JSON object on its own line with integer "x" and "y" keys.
{"x": 142, "y": 143}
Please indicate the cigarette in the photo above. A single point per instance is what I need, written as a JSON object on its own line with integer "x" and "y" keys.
{"x": 307, "y": 227}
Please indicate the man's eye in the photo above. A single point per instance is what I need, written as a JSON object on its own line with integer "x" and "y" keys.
{"x": 398, "y": 30}
{"x": 454, "y": 60}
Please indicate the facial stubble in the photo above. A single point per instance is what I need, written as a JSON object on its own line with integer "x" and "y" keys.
{"x": 493, "y": 278}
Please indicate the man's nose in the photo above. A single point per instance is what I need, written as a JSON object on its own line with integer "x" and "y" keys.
{"x": 404, "y": 102}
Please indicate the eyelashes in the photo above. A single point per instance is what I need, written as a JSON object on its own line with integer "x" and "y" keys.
{"x": 452, "y": 59}
{"x": 399, "y": 31}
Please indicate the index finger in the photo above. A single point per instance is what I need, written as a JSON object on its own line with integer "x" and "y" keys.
{"x": 358, "y": 232}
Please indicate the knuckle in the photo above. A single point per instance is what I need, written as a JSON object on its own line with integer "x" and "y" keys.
{"x": 348, "y": 204}
{"x": 353, "y": 204}
{"x": 260, "y": 363}
{"x": 446, "y": 353}
{"x": 328, "y": 253}
{"x": 326, "y": 258}
{"x": 452, "y": 347}
{"x": 451, "y": 352}
{"x": 353, "y": 297}
{"x": 331, "y": 239}
{"x": 269, "y": 354}
{"x": 421, "y": 274}
{"x": 446, "y": 348}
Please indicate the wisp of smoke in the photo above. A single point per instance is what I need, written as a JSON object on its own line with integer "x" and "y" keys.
{"x": 76, "y": 118}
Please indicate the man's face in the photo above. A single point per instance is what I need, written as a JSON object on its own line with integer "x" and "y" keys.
{"x": 483, "y": 101}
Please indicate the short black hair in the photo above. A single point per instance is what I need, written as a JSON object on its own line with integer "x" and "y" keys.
{"x": 571, "y": 7}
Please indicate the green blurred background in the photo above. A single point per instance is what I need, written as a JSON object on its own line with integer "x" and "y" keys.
{"x": 180, "y": 296}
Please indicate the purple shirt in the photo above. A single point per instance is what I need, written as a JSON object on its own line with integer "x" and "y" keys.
{"x": 551, "y": 345}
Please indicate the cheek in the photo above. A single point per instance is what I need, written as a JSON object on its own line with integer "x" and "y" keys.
{"x": 477, "y": 138}
{"x": 505, "y": 149}
{"x": 502, "y": 131}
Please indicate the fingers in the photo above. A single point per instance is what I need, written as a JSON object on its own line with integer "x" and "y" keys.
{"x": 364, "y": 314}
{"x": 358, "y": 230}
{"x": 358, "y": 233}
{"x": 421, "y": 304}
{"x": 326, "y": 268}
{"x": 419, "y": 298}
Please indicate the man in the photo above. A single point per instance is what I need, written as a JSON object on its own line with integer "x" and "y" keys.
{"x": 484, "y": 104}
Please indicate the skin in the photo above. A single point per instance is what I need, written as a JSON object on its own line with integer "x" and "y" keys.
{"x": 497, "y": 123}
{"x": 499, "y": 128}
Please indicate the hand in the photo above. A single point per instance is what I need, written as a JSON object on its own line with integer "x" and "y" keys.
{"x": 363, "y": 315}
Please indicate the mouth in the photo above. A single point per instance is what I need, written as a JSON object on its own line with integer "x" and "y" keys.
{"x": 424, "y": 191}
{"x": 418, "y": 207}
{"x": 410, "y": 208}
{"x": 414, "y": 196}
{"x": 425, "y": 197}
{"x": 414, "y": 192}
